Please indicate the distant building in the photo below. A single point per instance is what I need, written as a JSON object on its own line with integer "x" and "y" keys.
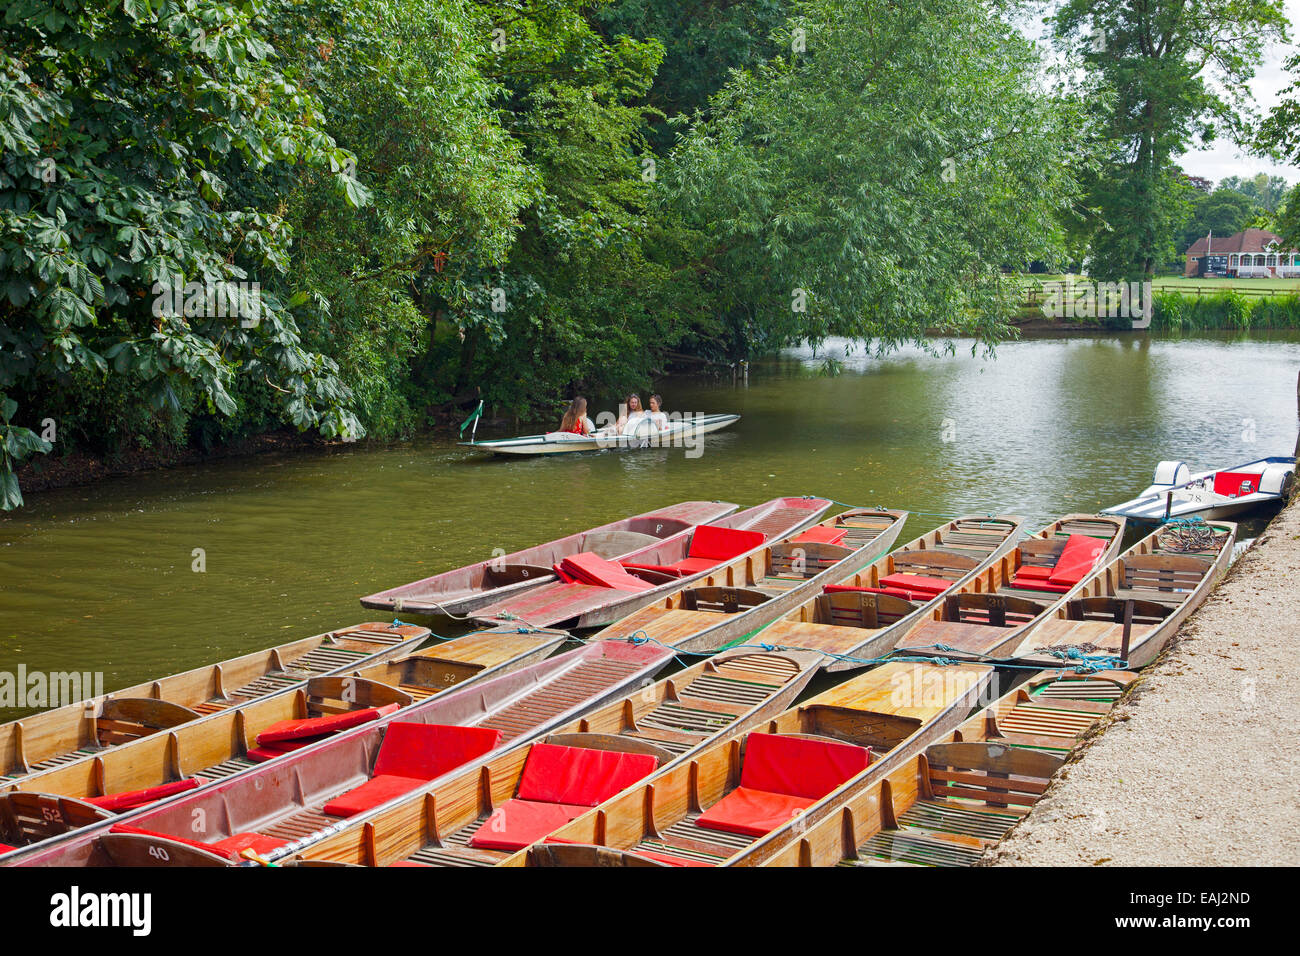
{"x": 1255, "y": 252}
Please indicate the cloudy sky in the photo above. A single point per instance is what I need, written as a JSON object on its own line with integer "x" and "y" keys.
{"x": 1224, "y": 159}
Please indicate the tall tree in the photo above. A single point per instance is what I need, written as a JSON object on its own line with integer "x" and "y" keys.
{"x": 875, "y": 181}
{"x": 1178, "y": 71}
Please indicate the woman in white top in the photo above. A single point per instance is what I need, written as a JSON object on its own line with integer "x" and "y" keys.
{"x": 657, "y": 416}
{"x": 632, "y": 414}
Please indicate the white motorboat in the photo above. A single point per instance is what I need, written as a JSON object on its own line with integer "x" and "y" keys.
{"x": 1177, "y": 493}
{"x": 641, "y": 433}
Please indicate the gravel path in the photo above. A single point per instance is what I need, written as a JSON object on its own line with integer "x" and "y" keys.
{"x": 1198, "y": 766}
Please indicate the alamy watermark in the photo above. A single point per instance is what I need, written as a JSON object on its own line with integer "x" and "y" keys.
{"x": 1099, "y": 300}
{"x": 43, "y": 689}
{"x": 210, "y": 300}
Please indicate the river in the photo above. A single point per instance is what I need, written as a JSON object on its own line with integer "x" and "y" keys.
{"x": 102, "y": 578}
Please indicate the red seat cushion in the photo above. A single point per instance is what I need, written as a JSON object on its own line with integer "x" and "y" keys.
{"x": 230, "y": 847}
{"x": 1038, "y": 584}
{"x": 578, "y": 776}
{"x": 799, "y": 767}
{"x": 319, "y": 726}
{"x": 427, "y": 751}
{"x": 915, "y": 582}
{"x": 233, "y": 846}
{"x": 719, "y": 544}
{"x": 588, "y": 568}
{"x": 378, "y": 789}
{"x": 129, "y": 800}
{"x": 906, "y": 595}
{"x": 752, "y": 812}
{"x": 821, "y": 534}
{"x": 1033, "y": 571}
{"x": 414, "y": 754}
{"x": 281, "y": 747}
{"x": 661, "y": 568}
{"x": 1077, "y": 558}
{"x": 5, "y": 848}
{"x": 694, "y": 565}
{"x": 1229, "y": 483}
{"x": 520, "y": 823}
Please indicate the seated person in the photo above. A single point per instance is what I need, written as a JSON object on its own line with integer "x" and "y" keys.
{"x": 575, "y": 418}
{"x": 657, "y": 416}
{"x": 631, "y": 415}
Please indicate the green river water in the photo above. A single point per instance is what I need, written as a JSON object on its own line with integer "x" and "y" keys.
{"x": 99, "y": 578}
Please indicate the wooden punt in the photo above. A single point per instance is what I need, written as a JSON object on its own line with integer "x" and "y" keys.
{"x": 745, "y": 595}
{"x": 859, "y": 626}
{"x": 476, "y": 585}
{"x": 79, "y": 730}
{"x": 579, "y": 605}
{"x": 709, "y": 701}
{"x": 897, "y": 710}
{"x": 290, "y": 798}
{"x": 1132, "y": 607}
{"x": 225, "y": 745}
{"x": 946, "y": 806}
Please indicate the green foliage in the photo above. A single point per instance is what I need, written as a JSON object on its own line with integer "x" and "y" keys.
{"x": 875, "y": 185}
{"x": 1177, "y": 312}
{"x": 1177, "y": 71}
{"x": 124, "y": 128}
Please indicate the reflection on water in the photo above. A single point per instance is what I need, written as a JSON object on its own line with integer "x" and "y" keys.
{"x": 99, "y": 578}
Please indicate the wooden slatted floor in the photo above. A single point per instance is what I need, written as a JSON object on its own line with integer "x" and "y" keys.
{"x": 955, "y": 832}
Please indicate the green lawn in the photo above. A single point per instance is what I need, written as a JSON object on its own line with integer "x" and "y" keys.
{"x": 1180, "y": 284}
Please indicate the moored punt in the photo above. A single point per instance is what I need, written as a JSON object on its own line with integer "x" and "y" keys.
{"x": 991, "y": 612}
{"x": 746, "y": 594}
{"x": 77, "y": 731}
{"x": 739, "y": 801}
{"x": 340, "y": 801}
{"x": 1132, "y": 607}
{"x": 945, "y": 806}
{"x": 861, "y": 617}
{"x": 595, "y": 591}
{"x": 466, "y": 589}
{"x": 144, "y": 774}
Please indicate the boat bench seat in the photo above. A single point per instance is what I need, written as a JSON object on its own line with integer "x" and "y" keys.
{"x": 710, "y": 547}
{"x": 780, "y": 776}
{"x": 299, "y": 729}
{"x": 130, "y": 799}
{"x": 558, "y": 784}
{"x": 230, "y": 847}
{"x": 587, "y": 568}
{"x": 412, "y": 755}
{"x": 821, "y": 534}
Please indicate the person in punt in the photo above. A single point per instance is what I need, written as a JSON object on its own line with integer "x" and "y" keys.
{"x": 575, "y": 418}
{"x": 657, "y": 416}
{"x": 631, "y": 414}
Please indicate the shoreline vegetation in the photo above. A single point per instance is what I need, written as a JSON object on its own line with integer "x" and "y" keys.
{"x": 356, "y": 213}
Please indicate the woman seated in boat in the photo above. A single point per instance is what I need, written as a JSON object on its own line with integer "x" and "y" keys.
{"x": 630, "y": 414}
{"x": 575, "y": 418}
{"x": 656, "y": 415}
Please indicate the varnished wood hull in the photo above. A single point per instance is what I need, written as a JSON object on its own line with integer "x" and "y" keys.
{"x": 702, "y": 632}
{"x": 72, "y": 732}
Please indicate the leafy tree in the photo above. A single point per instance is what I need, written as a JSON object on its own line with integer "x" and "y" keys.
{"x": 1265, "y": 190}
{"x": 1223, "y": 212}
{"x": 1178, "y": 71}
{"x": 122, "y": 128}
{"x": 875, "y": 185}
{"x": 703, "y": 41}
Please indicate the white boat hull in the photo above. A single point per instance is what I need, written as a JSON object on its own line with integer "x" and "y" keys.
{"x": 1196, "y": 497}
{"x": 676, "y": 435}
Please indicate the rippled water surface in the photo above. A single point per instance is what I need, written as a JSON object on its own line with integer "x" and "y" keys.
{"x": 99, "y": 578}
